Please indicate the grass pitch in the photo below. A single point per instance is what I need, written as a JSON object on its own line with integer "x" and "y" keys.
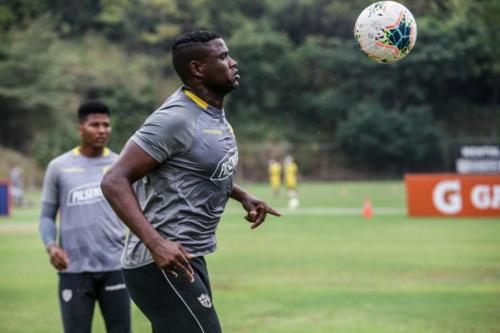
{"x": 320, "y": 268}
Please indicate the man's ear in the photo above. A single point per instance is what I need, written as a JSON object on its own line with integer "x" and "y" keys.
{"x": 196, "y": 69}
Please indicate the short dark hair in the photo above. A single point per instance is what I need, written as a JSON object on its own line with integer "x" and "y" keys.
{"x": 91, "y": 107}
{"x": 190, "y": 46}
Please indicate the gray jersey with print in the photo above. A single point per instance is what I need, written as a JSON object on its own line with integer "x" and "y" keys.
{"x": 184, "y": 197}
{"x": 89, "y": 231}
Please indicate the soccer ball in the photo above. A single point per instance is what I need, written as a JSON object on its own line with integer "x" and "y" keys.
{"x": 386, "y": 31}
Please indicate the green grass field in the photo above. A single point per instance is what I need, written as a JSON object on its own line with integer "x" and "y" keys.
{"x": 322, "y": 268}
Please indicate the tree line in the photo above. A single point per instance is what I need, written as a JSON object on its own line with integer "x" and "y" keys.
{"x": 303, "y": 78}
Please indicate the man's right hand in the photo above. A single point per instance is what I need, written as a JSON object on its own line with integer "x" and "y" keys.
{"x": 58, "y": 257}
{"x": 172, "y": 258}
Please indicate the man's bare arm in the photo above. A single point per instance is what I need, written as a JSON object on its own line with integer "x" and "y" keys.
{"x": 256, "y": 208}
{"x": 133, "y": 164}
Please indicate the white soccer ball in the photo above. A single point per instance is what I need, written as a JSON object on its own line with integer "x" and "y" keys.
{"x": 386, "y": 31}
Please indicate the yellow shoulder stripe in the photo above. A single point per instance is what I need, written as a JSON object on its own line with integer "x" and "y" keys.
{"x": 201, "y": 103}
{"x": 76, "y": 151}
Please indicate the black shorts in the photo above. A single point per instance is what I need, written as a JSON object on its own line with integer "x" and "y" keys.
{"x": 174, "y": 305}
{"x": 78, "y": 293}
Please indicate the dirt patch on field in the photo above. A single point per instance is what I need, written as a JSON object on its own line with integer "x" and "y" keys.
{"x": 16, "y": 227}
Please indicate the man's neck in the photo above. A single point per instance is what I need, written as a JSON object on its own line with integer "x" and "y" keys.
{"x": 90, "y": 151}
{"x": 213, "y": 99}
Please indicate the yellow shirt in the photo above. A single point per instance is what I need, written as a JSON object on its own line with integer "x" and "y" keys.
{"x": 275, "y": 174}
{"x": 291, "y": 175}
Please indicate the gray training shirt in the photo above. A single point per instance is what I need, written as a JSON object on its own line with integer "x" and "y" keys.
{"x": 90, "y": 232}
{"x": 184, "y": 197}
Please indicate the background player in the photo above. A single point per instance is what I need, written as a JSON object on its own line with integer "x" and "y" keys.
{"x": 291, "y": 171}
{"x": 91, "y": 238}
{"x": 274, "y": 170}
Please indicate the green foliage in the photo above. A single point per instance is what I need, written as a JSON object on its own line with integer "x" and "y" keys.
{"x": 18, "y": 13}
{"x": 33, "y": 85}
{"x": 375, "y": 138}
{"x": 303, "y": 78}
{"x": 74, "y": 17}
{"x": 43, "y": 80}
{"x": 140, "y": 23}
{"x": 262, "y": 77}
{"x": 128, "y": 83}
{"x": 302, "y": 18}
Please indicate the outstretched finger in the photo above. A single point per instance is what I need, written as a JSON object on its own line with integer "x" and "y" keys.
{"x": 272, "y": 211}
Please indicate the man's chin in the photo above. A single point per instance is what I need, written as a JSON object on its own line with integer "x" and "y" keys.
{"x": 235, "y": 85}
{"x": 99, "y": 145}
{"x": 226, "y": 89}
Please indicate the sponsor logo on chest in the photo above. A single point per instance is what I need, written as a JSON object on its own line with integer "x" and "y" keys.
{"x": 85, "y": 194}
{"x": 226, "y": 166}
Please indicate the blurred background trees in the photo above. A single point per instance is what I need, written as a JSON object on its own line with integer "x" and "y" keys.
{"x": 306, "y": 88}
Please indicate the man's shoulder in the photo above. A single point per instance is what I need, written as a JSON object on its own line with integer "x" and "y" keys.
{"x": 178, "y": 102}
{"x": 174, "y": 114}
{"x": 62, "y": 159}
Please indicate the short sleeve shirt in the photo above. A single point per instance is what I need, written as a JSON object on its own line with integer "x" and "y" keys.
{"x": 90, "y": 232}
{"x": 184, "y": 197}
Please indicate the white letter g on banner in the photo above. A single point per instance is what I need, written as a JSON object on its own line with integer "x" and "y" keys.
{"x": 446, "y": 202}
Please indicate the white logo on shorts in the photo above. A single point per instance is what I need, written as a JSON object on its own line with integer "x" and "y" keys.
{"x": 205, "y": 300}
{"x": 67, "y": 294}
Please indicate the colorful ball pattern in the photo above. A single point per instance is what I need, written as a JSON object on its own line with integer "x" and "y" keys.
{"x": 386, "y": 31}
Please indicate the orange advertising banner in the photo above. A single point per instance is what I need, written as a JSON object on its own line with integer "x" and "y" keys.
{"x": 453, "y": 195}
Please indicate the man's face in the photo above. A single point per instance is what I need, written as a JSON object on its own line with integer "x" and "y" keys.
{"x": 95, "y": 130}
{"x": 220, "y": 70}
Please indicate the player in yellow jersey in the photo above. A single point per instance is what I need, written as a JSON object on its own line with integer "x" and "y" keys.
{"x": 275, "y": 176}
{"x": 291, "y": 171}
